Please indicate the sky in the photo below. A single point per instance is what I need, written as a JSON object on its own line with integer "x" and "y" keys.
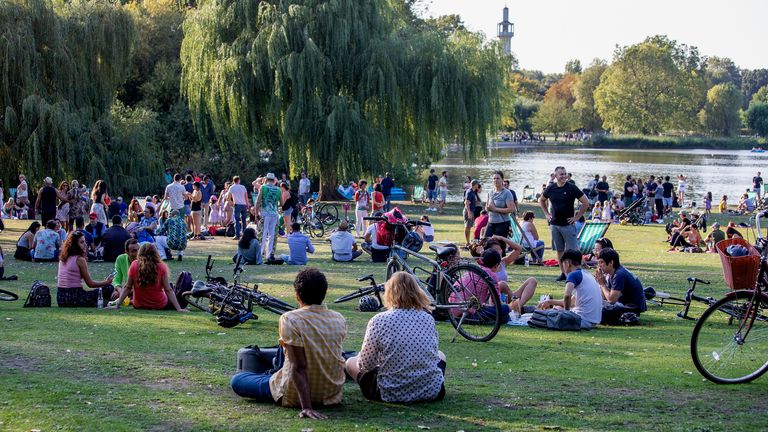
{"x": 548, "y": 33}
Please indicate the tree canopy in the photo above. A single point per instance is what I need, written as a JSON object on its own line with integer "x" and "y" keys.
{"x": 720, "y": 114}
{"x": 348, "y": 86}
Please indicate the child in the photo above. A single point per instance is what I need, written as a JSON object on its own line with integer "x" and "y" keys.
{"x": 427, "y": 232}
{"x": 708, "y": 204}
{"x": 607, "y": 213}
{"x": 724, "y": 204}
{"x": 215, "y": 213}
{"x": 597, "y": 211}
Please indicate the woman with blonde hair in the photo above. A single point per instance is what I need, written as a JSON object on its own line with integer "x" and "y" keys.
{"x": 147, "y": 283}
{"x": 135, "y": 212}
{"x": 99, "y": 199}
{"x": 399, "y": 360}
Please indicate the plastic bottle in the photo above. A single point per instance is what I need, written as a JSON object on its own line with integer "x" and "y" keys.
{"x": 527, "y": 261}
{"x": 100, "y": 301}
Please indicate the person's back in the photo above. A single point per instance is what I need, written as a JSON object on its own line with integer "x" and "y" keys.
{"x": 239, "y": 194}
{"x": 270, "y": 199}
{"x": 667, "y": 189}
{"x": 589, "y": 300}
{"x": 298, "y": 245}
{"x": 114, "y": 242}
{"x": 632, "y": 294}
{"x": 717, "y": 235}
{"x": 341, "y": 245}
{"x": 175, "y": 193}
{"x": 47, "y": 243}
{"x": 148, "y": 295}
{"x": 252, "y": 254}
{"x": 68, "y": 274}
{"x": 405, "y": 354}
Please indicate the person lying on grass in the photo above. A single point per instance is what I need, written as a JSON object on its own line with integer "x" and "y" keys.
{"x": 148, "y": 283}
{"x": 399, "y": 360}
{"x": 310, "y": 366}
{"x": 579, "y": 283}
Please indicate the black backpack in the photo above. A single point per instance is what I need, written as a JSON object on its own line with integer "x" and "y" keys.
{"x": 183, "y": 284}
{"x": 230, "y": 232}
{"x": 39, "y": 295}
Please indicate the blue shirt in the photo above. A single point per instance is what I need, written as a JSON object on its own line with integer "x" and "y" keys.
{"x": 299, "y": 244}
{"x": 386, "y": 186}
{"x": 630, "y": 287}
{"x": 207, "y": 191}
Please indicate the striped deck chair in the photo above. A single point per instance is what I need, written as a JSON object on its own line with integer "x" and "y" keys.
{"x": 516, "y": 235}
{"x": 590, "y": 232}
{"x": 418, "y": 194}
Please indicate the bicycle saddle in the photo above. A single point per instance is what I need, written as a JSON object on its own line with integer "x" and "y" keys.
{"x": 200, "y": 289}
{"x": 443, "y": 251}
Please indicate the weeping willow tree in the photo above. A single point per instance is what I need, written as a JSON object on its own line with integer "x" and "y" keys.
{"x": 60, "y": 64}
{"x": 345, "y": 86}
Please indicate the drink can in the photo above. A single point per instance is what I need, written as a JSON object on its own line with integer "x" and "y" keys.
{"x": 503, "y": 298}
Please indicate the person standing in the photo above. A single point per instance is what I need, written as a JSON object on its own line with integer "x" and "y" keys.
{"x": 471, "y": 209}
{"x": 629, "y": 191}
{"x": 196, "y": 207}
{"x": 76, "y": 205}
{"x": 602, "y": 189}
{"x": 208, "y": 189}
{"x": 387, "y": 183}
{"x": 188, "y": 188}
{"x": 757, "y": 185}
{"x": 562, "y": 195}
{"x": 667, "y": 194}
{"x": 45, "y": 205}
{"x": 442, "y": 186}
{"x": 682, "y": 186}
{"x": 238, "y": 197}
{"x": 432, "y": 189}
{"x": 99, "y": 200}
{"x": 22, "y": 192}
{"x": 361, "y": 198}
{"x": 658, "y": 199}
{"x": 500, "y": 205}
{"x": 304, "y": 188}
{"x": 268, "y": 202}
{"x": 175, "y": 193}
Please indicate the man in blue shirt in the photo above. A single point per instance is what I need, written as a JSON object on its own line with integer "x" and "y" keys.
{"x": 298, "y": 245}
{"x": 386, "y": 188}
{"x": 207, "y": 190}
{"x": 623, "y": 291}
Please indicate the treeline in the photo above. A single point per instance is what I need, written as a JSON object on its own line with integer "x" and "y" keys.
{"x": 656, "y": 86}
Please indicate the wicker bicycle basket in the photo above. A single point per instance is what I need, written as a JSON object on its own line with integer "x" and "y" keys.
{"x": 739, "y": 272}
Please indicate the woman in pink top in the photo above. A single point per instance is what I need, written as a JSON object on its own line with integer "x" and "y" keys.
{"x": 73, "y": 270}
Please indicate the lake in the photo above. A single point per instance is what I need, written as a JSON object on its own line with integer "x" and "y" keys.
{"x": 722, "y": 172}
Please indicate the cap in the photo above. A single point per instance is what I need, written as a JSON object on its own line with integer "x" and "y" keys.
{"x": 93, "y": 215}
{"x": 119, "y": 198}
{"x": 48, "y": 180}
{"x": 270, "y": 176}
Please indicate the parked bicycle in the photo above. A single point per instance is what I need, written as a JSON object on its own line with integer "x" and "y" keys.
{"x": 8, "y": 296}
{"x": 231, "y": 304}
{"x": 729, "y": 344}
{"x": 310, "y": 221}
{"x": 464, "y": 294}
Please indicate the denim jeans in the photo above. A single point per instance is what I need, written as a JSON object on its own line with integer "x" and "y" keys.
{"x": 241, "y": 218}
{"x": 255, "y": 385}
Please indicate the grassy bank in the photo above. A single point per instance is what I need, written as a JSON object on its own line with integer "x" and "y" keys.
{"x": 642, "y": 142}
{"x": 131, "y": 370}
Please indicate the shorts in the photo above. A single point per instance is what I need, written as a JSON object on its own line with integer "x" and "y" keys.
{"x": 187, "y": 209}
{"x": 443, "y": 196}
{"x": 468, "y": 223}
{"x": 564, "y": 237}
{"x": 287, "y": 212}
{"x": 369, "y": 384}
{"x": 498, "y": 228}
{"x": 431, "y": 194}
{"x": 667, "y": 202}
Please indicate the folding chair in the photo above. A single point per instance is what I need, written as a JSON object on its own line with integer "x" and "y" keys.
{"x": 529, "y": 194}
{"x": 590, "y": 232}
{"x": 418, "y": 194}
{"x": 516, "y": 235}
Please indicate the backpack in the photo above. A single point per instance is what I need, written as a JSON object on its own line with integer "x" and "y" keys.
{"x": 230, "y": 232}
{"x": 183, "y": 284}
{"x": 39, "y": 295}
{"x": 385, "y": 235}
{"x": 555, "y": 319}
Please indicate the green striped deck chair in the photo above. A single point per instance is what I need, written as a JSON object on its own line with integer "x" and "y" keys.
{"x": 590, "y": 232}
{"x": 418, "y": 194}
{"x": 752, "y": 195}
{"x": 516, "y": 235}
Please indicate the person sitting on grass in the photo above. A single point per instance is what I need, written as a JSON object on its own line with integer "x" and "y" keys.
{"x": 249, "y": 247}
{"x": 732, "y": 232}
{"x": 122, "y": 264}
{"x": 600, "y": 244}
{"x": 579, "y": 283}
{"x": 26, "y": 242}
{"x": 45, "y": 246}
{"x": 310, "y": 365}
{"x": 715, "y": 236}
{"x": 481, "y": 222}
{"x": 491, "y": 263}
{"x": 298, "y": 246}
{"x": 427, "y": 232}
{"x": 148, "y": 284}
{"x": 623, "y": 291}
{"x": 114, "y": 239}
{"x": 73, "y": 270}
{"x": 399, "y": 360}
{"x": 145, "y": 231}
{"x": 343, "y": 245}
{"x": 172, "y": 235}
{"x": 2, "y": 268}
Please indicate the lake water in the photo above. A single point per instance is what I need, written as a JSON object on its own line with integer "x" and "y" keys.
{"x": 722, "y": 172}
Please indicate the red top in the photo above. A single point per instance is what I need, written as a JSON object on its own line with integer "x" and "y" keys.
{"x": 148, "y": 297}
{"x": 378, "y": 201}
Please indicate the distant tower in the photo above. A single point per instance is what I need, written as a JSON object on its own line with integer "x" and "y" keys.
{"x": 506, "y": 31}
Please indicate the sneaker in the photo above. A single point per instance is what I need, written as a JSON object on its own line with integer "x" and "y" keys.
{"x": 236, "y": 238}
{"x": 560, "y": 278}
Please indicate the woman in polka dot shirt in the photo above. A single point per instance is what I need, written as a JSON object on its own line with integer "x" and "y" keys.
{"x": 399, "y": 360}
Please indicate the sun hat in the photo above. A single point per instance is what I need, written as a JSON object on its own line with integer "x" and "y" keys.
{"x": 270, "y": 176}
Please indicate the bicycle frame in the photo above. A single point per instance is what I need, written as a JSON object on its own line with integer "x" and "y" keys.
{"x": 437, "y": 271}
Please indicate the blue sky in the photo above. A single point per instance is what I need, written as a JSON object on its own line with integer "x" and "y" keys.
{"x": 550, "y": 32}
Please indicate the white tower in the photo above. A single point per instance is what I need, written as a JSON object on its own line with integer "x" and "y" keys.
{"x": 506, "y": 30}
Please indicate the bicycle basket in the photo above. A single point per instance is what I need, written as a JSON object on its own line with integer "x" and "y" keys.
{"x": 739, "y": 272}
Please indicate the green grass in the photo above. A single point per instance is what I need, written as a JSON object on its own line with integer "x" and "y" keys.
{"x": 128, "y": 370}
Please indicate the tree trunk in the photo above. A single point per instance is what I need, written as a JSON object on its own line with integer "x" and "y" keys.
{"x": 328, "y": 190}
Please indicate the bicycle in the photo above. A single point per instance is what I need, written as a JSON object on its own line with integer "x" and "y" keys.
{"x": 662, "y": 298}
{"x": 373, "y": 289}
{"x": 464, "y": 293}
{"x": 231, "y": 304}
{"x": 729, "y": 344}
{"x": 327, "y": 213}
{"x": 310, "y": 222}
{"x": 8, "y": 296}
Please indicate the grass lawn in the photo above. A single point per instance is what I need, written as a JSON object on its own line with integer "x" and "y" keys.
{"x": 129, "y": 370}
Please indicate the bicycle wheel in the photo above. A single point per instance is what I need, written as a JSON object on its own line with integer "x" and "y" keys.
{"x": 392, "y": 267}
{"x": 355, "y": 294}
{"x": 328, "y": 214}
{"x": 8, "y": 296}
{"x": 729, "y": 344}
{"x": 316, "y": 228}
{"x": 477, "y": 314}
{"x": 202, "y": 303}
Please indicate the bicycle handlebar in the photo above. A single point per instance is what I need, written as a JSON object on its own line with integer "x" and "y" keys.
{"x": 697, "y": 280}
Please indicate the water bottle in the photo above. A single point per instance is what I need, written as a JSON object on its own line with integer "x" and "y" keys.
{"x": 100, "y": 301}
{"x": 503, "y": 298}
{"x": 527, "y": 261}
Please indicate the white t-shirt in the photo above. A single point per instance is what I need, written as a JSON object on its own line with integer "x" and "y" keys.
{"x": 442, "y": 184}
{"x": 681, "y": 186}
{"x": 23, "y": 190}
{"x": 341, "y": 245}
{"x": 304, "y": 186}
{"x": 175, "y": 192}
{"x": 239, "y": 194}
{"x": 372, "y": 231}
{"x": 589, "y": 299}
